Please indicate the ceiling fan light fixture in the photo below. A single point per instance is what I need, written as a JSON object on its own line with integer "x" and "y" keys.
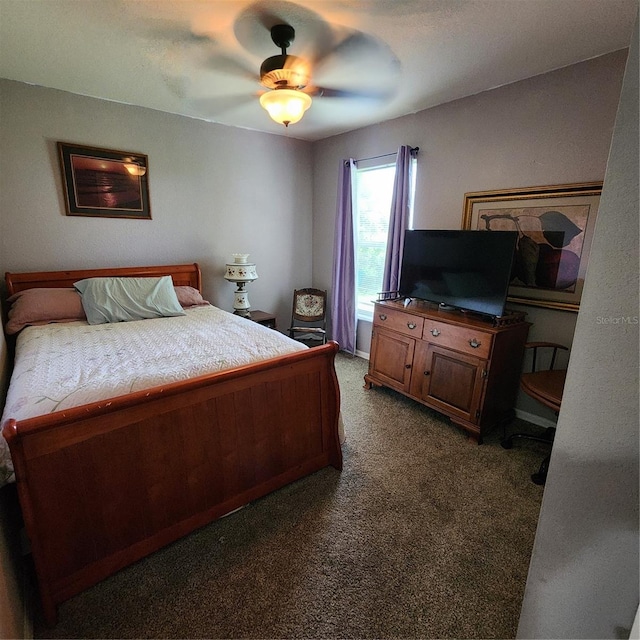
{"x": 135, "y": 169}
{"x": 285, "y": 106}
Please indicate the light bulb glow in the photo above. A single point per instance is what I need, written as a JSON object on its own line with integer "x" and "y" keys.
{"x": 285, "y": 106}
{"x": 135, "y": 169}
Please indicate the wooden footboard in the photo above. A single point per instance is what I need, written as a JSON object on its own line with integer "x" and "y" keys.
{"x": 103, "y": 485}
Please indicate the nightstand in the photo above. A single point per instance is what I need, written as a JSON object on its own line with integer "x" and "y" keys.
{"x": 264, "y": 318}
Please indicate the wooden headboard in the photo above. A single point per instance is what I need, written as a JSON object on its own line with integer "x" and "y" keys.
{"x": 182, "y": 275}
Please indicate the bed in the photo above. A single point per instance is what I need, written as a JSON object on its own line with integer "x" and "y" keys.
{"x": 106, "y": 482}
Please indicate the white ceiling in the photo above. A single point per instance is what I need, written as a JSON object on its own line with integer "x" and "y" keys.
{"x": 200, "y": 58}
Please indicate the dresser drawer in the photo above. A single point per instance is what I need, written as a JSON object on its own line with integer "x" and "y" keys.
{"x": 467, "y": 340}
{"x": 393, "y": 320}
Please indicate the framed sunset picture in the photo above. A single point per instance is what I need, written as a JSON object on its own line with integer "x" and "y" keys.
{"x": 104, "y": 182}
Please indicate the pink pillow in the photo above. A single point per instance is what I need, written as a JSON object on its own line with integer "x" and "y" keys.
{"x": 43, "y": 305}
{"x": 189, "y": 297}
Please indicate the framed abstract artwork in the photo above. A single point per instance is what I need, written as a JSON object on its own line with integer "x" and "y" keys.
{"x": 555, "y": 227}
{"x": 104, "y": 182}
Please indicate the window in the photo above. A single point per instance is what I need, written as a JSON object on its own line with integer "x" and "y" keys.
{"x": 373, "y": 195}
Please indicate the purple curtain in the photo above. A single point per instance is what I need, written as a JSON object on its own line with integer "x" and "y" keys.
{"x": 343, "y": 299}
{"x": 398, "y": 219}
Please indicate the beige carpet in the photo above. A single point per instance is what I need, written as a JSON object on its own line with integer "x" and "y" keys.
{"x": 422, "y": 535}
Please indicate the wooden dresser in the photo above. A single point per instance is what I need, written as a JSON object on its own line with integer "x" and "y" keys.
{"x": 459, "y": 364}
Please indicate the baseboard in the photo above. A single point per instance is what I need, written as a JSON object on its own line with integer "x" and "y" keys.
{"x": 534, "y": 419}
{"x": 362, "y": 354}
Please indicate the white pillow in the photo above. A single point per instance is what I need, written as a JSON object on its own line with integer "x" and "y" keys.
{"x": 125, "y": 299}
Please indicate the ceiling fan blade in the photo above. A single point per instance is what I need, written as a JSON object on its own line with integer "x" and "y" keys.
{"x": 268, "y": 16}
{"x": 357, "y": 48}
{"x": 232, "y": 65}
{"x": 358, "y": 65}
{"x": 252, "y": 27}
{"x": 205, "y": 51}
{"x": 354, "y": 94}
{"x": 179, "y": 34}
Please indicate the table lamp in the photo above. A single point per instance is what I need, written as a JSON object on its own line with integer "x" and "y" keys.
{"x": 241, "y": 272}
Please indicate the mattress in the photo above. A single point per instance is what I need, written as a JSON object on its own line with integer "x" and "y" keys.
{"x": 60, "y": 366}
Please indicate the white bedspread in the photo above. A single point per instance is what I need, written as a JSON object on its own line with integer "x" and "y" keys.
{"x": 59, "y": 366}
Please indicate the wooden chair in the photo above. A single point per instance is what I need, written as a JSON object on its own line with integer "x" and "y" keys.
{"x": 546, "y": 386}
{"x": 309, "y": 316}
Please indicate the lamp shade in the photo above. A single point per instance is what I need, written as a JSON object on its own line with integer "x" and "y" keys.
{"x": 285, "y": 106}
{"x": 240, "y": 270}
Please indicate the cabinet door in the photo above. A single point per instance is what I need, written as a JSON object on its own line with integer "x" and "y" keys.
{"x": 390, "y": 358}
{"x": 449, "y": 381}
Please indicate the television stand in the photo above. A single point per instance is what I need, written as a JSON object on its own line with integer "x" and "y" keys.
{"x": 464, "y": 367}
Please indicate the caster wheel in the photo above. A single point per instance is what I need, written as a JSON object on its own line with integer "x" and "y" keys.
{"x": 538, "y": 478}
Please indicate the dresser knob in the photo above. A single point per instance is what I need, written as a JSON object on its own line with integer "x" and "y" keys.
{"x": 407, "y": 366}
{"x": 474, "y": 343}
{"x": 426, "y": 373}
{"x": 435, "y": 333}
{"x": 383, "y": 316}
{"x": 411, "y": 325}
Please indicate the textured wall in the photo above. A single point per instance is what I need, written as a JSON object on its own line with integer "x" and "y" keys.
{"x": 551, "y": 129}
{"x": 583, "y": 579}
{"x": 214, "y": 191}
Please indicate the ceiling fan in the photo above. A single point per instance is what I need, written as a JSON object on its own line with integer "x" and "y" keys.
{"x": 284, "y": 70}
{"x": 335, "y": 64}
{"x": 287, "y": 77}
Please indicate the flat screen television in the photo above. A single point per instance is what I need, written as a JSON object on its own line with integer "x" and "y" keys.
{"x": 468, "y": 270}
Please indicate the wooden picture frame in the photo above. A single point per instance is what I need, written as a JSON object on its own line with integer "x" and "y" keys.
{"x": 555, "y": 226}
{"x": 104, "y": 183}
